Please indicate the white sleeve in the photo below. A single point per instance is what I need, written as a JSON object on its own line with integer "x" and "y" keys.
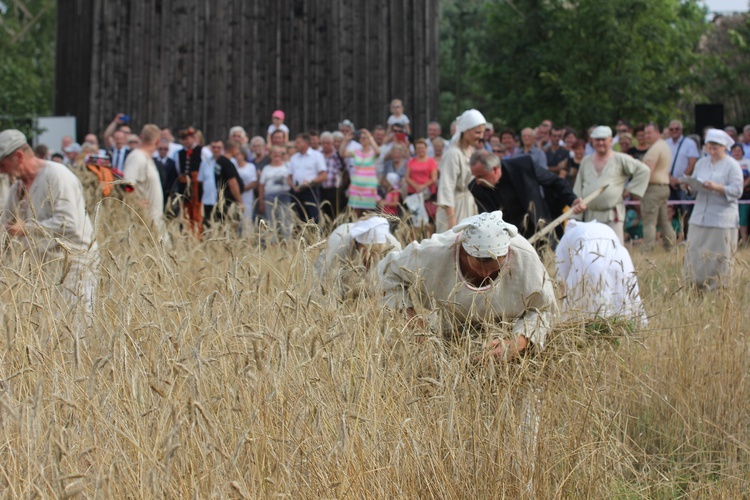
{"x": 398, "y": 272}
{"x": 202, "y": 172}
{"x": 447, "y": 181}
{"x": 132, "y": 170}
{"x": 337, "y": 249}
{"x": 321, "y": 163}
{"x": 734, "y": 186}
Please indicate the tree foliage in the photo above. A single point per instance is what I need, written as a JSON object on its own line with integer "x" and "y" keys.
{"x": 585, "y": 61}
{"x": 27, "y": 72}
{"x": 462, "y": 36}
{"x": 726, "y": 66}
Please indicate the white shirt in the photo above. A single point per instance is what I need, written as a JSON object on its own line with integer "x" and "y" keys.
{"x": 401, "y": 120}
{"x": 688, "y": 149}
{"x": 273, "y": 180}
{"x": 248, "y": 174}
{"x": 272, "y": 128}
{"x": 714, "y": 209}
{"x": 598, "y": 274}
{"x": 207, "y": 176}
{"x": 174, "y": 148}
{"x": 54, "y": 209}
{"x": 306, "y": 167}
{"x": 141, "y": 171}
{"x": 353, "y": 146}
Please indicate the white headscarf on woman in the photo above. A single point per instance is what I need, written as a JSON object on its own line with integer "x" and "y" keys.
{"x": 486, "y": 235}
{"x": 372, "y": 231}
{"x": 468, "y": 120}
{"x": 719, "y": 137}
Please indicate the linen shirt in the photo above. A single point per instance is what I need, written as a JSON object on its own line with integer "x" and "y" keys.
{"x": 141, "y": 171}
{"x": 455, "y": 176}
{"x": 206, "y": 175}
{"x": 53, "y": 209}
{"x": 619, "y": 169}
{"x": 306, "y": 167}
{"x": 714, "y": 209}
{"x": 341, "y": 250}
{"x": 687, "y": 150}
{"x": 428, "y": 273}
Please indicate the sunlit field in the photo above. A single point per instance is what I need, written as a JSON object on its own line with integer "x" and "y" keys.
{"x": 220, "y": 368}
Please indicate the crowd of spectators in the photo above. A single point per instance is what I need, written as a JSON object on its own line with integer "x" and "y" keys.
{"x": 241, "y": 179}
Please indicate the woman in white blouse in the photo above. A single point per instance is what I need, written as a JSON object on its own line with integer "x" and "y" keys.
{"x": 455, "y": 201}
{"x": 712, "y": 236}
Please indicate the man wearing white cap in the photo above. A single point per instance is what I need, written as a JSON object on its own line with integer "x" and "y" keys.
{"x": 478, "y": 276}
{"x": 347, "y": 243}
{"x": 712, "y": 239}
{"x": 45, "y": 210}
{"x": 615, "y": 170}
{"x": 454, "y": 199}
{"x": 597, "y": 273}
{"x": 72, "y": 152}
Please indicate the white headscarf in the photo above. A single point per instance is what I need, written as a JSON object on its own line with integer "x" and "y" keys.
{"x": 468, "y": 120}
{"x": 486, "y": 235}
{"x": 370, "y": 231}
{"x": 719, "y": 137}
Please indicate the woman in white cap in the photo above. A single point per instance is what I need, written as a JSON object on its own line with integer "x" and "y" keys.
{"x": 712, "y": 237}
{"x": 454, "y": 199}
{"x": 355, "y": 243}
{"x": 482, "y": 274}
{"x": 597, "y": 273}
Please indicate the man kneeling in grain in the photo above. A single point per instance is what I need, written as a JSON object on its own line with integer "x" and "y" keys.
{"x": 46, "y": 212}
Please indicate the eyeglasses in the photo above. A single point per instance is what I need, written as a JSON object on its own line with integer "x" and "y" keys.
{"x": 163, "y": 149}
{"x": 498, "y": 151}
{"x": 622, "y": 130}
{"x": 672, "y": 129}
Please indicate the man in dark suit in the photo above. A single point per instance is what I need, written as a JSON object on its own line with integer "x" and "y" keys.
{"x": 120, "y": 150}
{"x": 167, "y": 170}
{"x": 514, "y": 186}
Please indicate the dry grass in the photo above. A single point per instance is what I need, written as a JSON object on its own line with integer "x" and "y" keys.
{"x": 216, "y": 369}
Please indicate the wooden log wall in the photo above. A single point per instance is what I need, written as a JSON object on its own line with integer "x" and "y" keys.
{"x": 215, "y": 64}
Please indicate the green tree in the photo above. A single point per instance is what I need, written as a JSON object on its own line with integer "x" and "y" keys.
{"x": 27, "y": 72}
{"x": 582, "y": 62}
{"x": 726, "y": 66}
{"x": 462, "y": 36}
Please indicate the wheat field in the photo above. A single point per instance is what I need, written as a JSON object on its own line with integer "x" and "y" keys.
{"x": 218, "y": 369}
